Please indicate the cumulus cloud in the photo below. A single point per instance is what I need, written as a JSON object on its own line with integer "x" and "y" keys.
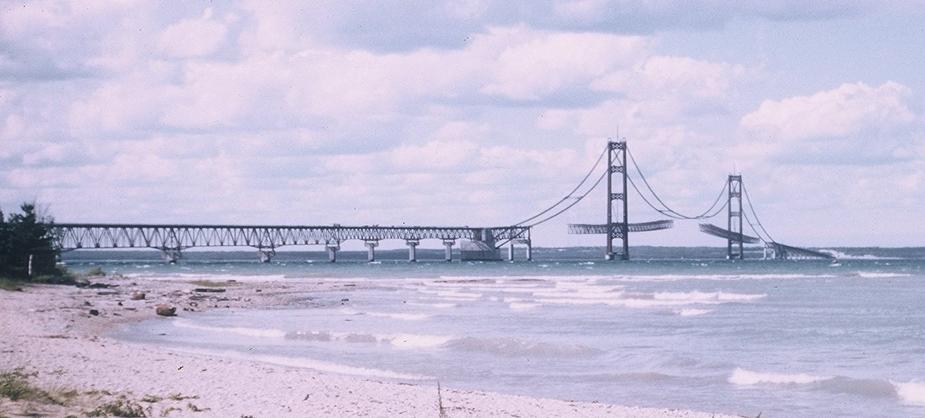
{"x": 852, "y": 124}
{"x": 842, "y": 111}
{"x": 192, "y": 37}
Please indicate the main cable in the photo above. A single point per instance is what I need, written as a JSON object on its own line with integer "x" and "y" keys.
{"x": 569, "y": 195}
{"x": 578, "y": 199}
{"x": 752, "y": 208}
{"x": 673, "y": 213}
{"x": 755, "y": 230}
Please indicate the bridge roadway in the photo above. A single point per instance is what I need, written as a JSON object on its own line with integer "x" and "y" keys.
{"x": 483, "y": 243}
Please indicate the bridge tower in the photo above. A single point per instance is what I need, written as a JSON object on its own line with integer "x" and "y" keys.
{"x": 616, "y": 164}
{"x": 734, "y": 248}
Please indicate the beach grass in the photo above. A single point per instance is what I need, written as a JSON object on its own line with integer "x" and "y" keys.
{"x": 120, "y": 408}
{"x": 15, "y": 386}
{"x": 11, "y": 285}
{"x": 212, "y": 283}
{"x": 95, "y": 272}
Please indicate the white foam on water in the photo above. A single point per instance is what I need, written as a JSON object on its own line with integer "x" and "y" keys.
{"x": 309, "y": 363}
{"x": 707, "y": 297}
{"x": 501, "y": 289}
{"x": 842, "y": 256}
{"x": 520, "y": 306}
{"x": 400, "y": 316}
{"x": 910, "y": 392}
{"x": 246, "y": 332}
{"x": 434, "y": 305}
{"x": 648, "y": 300}
{"x": 349, "y": 311}
{"x": 721, "y": 277}
{"x": 744, "y": 377}
{"x": 879, "y": 275}
{"x": 451, "y": 294}
{"x": 693, "y": 312}
{"x": 511, "y": 347}
{"x": 411, "y": 341}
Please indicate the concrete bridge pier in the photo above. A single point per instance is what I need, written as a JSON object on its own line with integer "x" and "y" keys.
{"x": 371, "y": 250}
{"x": 412, "y": 249}
{"x": 332, "y": 252}
{"x": 171, "y": 255}
{"x": 510, "y": 252}
{"x": 448, "y": 244}
{"x": 266, "y": 254}
{"x": 529, "y": 250}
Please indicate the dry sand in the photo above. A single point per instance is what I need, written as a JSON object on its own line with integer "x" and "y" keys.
{"x": 49, "y": 333}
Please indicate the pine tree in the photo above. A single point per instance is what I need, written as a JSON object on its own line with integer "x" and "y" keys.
{"x": 28, "y": 235}
{"x": 4, "y": 247}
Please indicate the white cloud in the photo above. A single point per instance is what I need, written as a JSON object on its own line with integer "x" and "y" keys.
{"x": 532, "y": 65}
{"x": 843, "y": 111}
{"x": 193, "y": 37}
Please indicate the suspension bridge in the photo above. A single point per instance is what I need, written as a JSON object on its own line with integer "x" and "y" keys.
{"x": 476, "y": 243}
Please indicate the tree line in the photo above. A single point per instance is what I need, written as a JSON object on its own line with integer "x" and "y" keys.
{"x": 27, "y": 249}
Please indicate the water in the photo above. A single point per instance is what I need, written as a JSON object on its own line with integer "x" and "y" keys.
{"x": 788, "y": 339}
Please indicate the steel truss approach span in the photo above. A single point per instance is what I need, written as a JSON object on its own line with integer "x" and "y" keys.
{"x": 173, "y": 238}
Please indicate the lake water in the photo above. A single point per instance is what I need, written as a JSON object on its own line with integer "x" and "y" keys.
{"x": 676, "y": 328}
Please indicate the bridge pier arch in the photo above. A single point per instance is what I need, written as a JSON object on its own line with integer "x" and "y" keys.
{"x": 448, "y": 245}
{"x": 266, "y": 254}
{"x": 412, "y": 249}
{"x": 371, "y": 250}
{"x": 332, "y": 251}
{"x": 171, "y": 255}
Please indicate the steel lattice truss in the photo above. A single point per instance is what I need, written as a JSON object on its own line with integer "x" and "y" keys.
{"x": 75, "y": 236}
{"x": 617, "y": 228}
{"x": 727, "y": 234}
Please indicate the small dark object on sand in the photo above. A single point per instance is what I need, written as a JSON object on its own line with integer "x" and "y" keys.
{"x": 165, "y": 310}
{"x": 208, "y": 290}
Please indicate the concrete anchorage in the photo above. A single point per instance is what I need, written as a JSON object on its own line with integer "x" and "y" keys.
{"x": 448, "y": 245}
{"x": 412, "y": 249}
{"x": 371, "y": 250}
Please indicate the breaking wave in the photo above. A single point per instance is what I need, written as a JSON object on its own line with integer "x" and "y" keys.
{"x": 879, "y": 275}
{"x": 246, "y": 332}
{"x": 912, "y": 392}
{"x": 510, "y": 347}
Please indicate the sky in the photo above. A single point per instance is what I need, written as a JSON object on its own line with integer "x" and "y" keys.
{"x": 471, "y": 112}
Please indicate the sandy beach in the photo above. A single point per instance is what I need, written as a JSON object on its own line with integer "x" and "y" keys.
{"x": 56, "y": 336}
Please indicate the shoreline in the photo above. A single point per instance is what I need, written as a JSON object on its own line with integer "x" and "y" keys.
{"x": 51, "y": 336}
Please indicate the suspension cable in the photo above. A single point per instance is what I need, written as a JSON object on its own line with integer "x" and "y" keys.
{"x": 752, "y": 208}
{"x": 677, "y": 215}
{"x": 577, "y": 199}
{"x": 755, "y": 230}
{"x": 662, "y": 211}
{"x": 569, "y": 195}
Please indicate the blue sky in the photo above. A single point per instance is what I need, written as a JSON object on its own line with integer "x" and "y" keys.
{"x": 467, "y": 113}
